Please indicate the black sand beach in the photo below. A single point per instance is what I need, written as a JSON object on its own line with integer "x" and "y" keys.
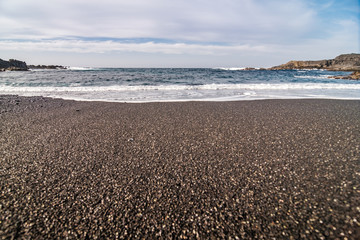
{"x": 282, "y": 169}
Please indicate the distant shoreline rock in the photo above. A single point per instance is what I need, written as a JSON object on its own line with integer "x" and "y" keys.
{"x": 16, "y": 65}
{"x": 13, "y": 65}
{"x": 353, "y": 76}
{"x": 344, "y": 62}
{"x": 46, "y": 67}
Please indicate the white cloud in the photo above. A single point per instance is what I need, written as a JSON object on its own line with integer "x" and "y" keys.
{"x": 236, "y": 30}
{"x": 194, "y": 20}
{"x": 80, "y": 46}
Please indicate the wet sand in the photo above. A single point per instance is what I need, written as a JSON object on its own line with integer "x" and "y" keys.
{"x": 284, "y": 169}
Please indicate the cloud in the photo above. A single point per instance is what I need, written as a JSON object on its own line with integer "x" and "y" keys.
{"x": 184, "y": 20}
{"x": 82, "y": 46}
{"x": 240, "y": 30}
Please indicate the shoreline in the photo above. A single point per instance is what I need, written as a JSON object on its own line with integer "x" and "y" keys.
{"x": 18, "y": 98}
{"x": 209, "y": 100}
{"x": 246, "y": 169}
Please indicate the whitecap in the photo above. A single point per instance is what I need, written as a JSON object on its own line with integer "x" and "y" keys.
{"x": 81, "y": 68}
{"x": 314, "y": 77}
{"x": 230, "y": 69}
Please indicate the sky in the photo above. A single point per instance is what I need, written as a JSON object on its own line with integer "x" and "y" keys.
{"x": 177, "y": 33}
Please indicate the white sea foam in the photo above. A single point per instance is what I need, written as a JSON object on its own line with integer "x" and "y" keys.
{"x": 81, "y": 68}
{"x": 314, "y": 77}
{"x": 216, "y": 92}
{"x": 38, "y": 70}
{"x": 261, "y": 86}
{"x": 231, "y": 69}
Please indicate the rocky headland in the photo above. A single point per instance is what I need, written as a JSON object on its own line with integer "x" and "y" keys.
{"x": 344, "y": 62}
{"x": 13, "y": 65}
{"x": 16, "y": 65}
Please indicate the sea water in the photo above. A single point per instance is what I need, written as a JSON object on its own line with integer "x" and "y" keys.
{"x": 177, "y": 84}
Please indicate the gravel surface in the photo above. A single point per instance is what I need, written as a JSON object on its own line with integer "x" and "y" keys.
{"x": 281, "y": 169}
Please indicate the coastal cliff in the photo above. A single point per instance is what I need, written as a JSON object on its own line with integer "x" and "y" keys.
{"x": 344, "y": 62}
{"x": 13, "y": 65}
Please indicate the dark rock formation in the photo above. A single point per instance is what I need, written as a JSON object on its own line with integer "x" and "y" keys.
{"x": 303, "y": 65}
{"x": 354, "y": 76}
{"x": 345, "y": 62}
{"x": 13, "y": 65}
{"x": 46, "y": 67}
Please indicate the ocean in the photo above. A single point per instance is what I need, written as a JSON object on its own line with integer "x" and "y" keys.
{"x": 177, "y": 84}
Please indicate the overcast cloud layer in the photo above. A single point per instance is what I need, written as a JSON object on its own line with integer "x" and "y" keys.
{"x": 177, "y": 32}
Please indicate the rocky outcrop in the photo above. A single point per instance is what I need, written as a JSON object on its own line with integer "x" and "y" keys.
{"x": 46, "y": 67}
{"x": 354, "y": 76}
{"x": 345, "y": 62}
{"x": 13, "y": 65}
{"x": 16, "y": 65}
{"x": 303, "y": 65}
